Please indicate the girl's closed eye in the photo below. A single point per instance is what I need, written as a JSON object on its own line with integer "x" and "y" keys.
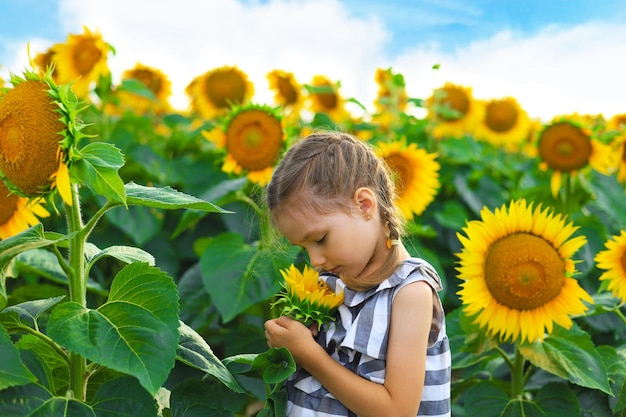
{"x": 321, "y": 240}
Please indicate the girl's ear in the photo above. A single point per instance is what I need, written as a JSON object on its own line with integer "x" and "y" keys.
{"x": 366, "y": 201}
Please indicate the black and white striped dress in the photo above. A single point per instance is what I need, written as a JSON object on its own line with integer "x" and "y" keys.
{"x": 358, "y": 341}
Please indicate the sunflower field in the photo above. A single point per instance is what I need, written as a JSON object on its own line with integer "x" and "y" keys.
{"x": 137, "y": 263}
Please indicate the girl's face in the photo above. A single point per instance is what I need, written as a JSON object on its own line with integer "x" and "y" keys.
{"x": 351, "y": 244}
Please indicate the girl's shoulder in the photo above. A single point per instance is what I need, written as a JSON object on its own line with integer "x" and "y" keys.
{"x": 416, "y": 269}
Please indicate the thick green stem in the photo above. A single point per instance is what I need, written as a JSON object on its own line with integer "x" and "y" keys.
{"x": 78, "y": 286}
{"x": 517, "y": 374}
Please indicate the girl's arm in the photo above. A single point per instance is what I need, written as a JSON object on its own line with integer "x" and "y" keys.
{"x": 411, "y": 317}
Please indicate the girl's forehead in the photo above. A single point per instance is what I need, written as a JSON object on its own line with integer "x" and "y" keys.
{"x": 298, "y": 226}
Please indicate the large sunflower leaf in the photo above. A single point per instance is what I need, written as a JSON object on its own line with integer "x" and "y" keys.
{"x": 22, "y": 400}
{"x": 123, "y": 397}
{"x": 134, "y": 332}
{"x": 166, "y": 198}
{"x": 237, "y": 275}
{"x": 12, "y": 370}
{"x": 485, "y": 399}
{"x": 571, "y": 355}
{"x": 63, "y": 407}
{"x": 196, "y": 352}
{"x": 98, "y": 168}
{"x": 196, "y": 399}
{"x": 31, "y": 238}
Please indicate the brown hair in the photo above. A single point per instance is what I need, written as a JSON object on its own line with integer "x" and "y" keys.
{"x": 329, "y": 167}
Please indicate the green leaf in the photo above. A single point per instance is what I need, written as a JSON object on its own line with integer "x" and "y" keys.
{"x": 123, "y": 397}
{"x": 569, "y": 354}
{"x": 273, "y": 366}
{"x": 23, "y": 400}
{"x": 134, "y": 332}
{"x": 194, "y": 399}
{"x": 47, "y": 364}
{"x": 12, "y": 370}
{"x": 485, "y": 399}
{"x": 31, "y": 238}
{"x": 126, "y": 254}
{"x": 63, "y": 407}
{"x": 237, "y": 275}
{"x": 196, "y": 352}
{"x": 45, "y": 264}
{"x": 166, "y": 198}
{"x": 615, "y": 362}
{"x": 98, "y": 168}
{"x": 33, "y": 309}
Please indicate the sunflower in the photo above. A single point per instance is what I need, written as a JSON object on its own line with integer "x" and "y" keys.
{"x": 81, "y": 61}
{"x": 453, "y": 111}
{"x": 215, "y": 92}
{"x": 17, "y": 213}
{"x": 45, "y": 60}
{"x": 566, "y": 145}
{"x": 155, "y": 81}
{"x": 617, "y": 122}
{"x": 306, "y": 297}
{"x": 391, "y": 99}
{"x": 613, "y": 261}
{"x": 416, "y": 175}
{"x": 505, "y": 124}
{"x": 517, "y": 270}
{"x": 38, "y": 130}
{"x": 324, "y": 98}
{"x": 391, "y": 91}
{"x": 619, "y": 144}
{"x": 253, "y": 137}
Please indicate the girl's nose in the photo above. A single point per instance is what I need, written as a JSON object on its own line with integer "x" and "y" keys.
{"x": 317, "y": 259}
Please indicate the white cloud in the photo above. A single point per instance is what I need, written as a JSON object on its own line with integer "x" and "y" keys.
{"x": 557, "y": 71}
{"x": 306, "y": 37}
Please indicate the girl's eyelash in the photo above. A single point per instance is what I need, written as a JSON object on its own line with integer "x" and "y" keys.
{"x": 321, "y": 240}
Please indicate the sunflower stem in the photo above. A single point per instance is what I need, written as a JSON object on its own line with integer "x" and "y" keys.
{"x": 505, "y": 356}
{"x": 619, "y": 313}
{"x": 78, "y": 286}
{"x": 517, "y": 374}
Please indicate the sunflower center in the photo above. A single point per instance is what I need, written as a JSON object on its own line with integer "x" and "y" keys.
{"x": 86, "y": 55}
{"x": 523, "y": 271}
{"x": 254, "y": 139}
{"x": 501, "y": 116}
{"x": 565, "y": 147}
{"x": 455, "y": 99}
{"x": 149, "y": 79}
{"x": 327, "y": 100}
{"x": 225, "y": 89}
{"x": 29, "y": 137}
{"x": 287, "y": 92}
{"x": 402, "y": 169}
{"x": 8, "y": 204}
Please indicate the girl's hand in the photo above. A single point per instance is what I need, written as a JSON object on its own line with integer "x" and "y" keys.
{"x": 291, "y": 334}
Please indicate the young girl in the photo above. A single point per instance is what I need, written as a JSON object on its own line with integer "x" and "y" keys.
{"x": 387, "y": 354}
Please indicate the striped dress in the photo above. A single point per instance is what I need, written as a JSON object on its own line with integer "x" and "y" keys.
{"x": 358, "y": 341}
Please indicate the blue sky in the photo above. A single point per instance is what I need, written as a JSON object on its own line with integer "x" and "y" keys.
{"x": 554, "y": 56}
